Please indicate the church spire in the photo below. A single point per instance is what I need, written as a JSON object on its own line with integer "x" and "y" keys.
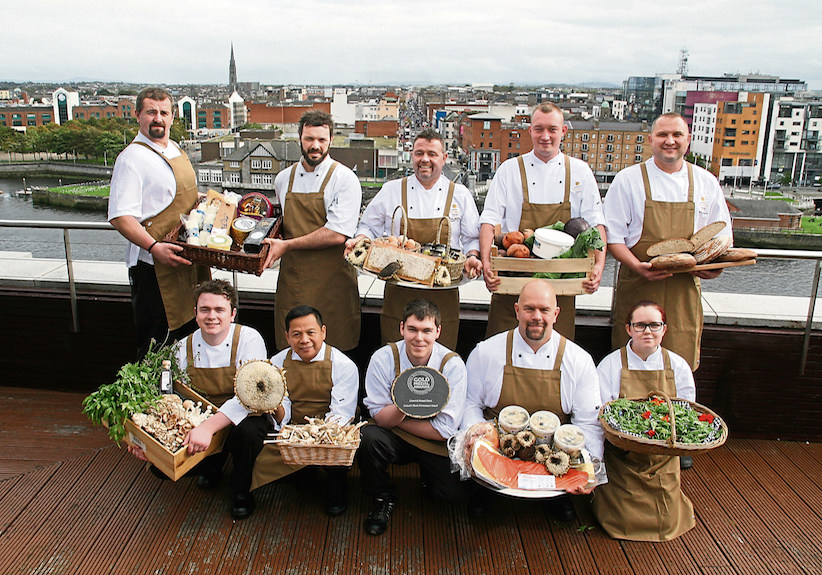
{"x": 232, "y": 72}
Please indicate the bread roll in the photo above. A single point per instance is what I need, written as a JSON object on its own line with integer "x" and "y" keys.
{"x": 673, "y": 262}
{"x": 706, "y": 233}
{"x": 737, "y": 255}
{"x": 712, "y": 249}
{"x": 673, "y": 246}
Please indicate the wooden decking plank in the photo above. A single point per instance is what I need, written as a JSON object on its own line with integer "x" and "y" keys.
{"x": 805, "y": 470}
{"x": 473, "y": 544}
{"x": 537, "y": 539}
{"x": 751, "y": 527}
{"x": 281, "y": 503}
{"x": 643, "y": 558}
{"x": 607, "y": 552}
{"x": 27, "y": 524}
{"x": 439, "y": 538}
{"x": 676, "y": 557}
{"x": 408, "y": 523}
{"x": 506, "y": 551}
{"x": 342, "y": 544}
{"x": 19, "y": 493}
{"x": 117, "y": 478}
{"x": 574, "y": 553}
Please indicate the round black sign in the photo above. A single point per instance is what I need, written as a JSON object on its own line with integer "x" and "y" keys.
{"x": 420, "y": 392}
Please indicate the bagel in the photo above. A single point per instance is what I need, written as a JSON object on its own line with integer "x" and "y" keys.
{"x": 737, "y": 255}
{"x": 712, "y": 249}
{"x": 673, "y": 262}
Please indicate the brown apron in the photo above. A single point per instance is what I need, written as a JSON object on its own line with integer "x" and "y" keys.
{"x": 176, "y": 283}
{"x": 395, "y": 297}
{"x": 643, "y": 500}
{"x": 320, "y": 278}
{"x": 428, "y": 445}
{"x": 680, "y": 295}
{"x": 501, "y": 315}
{"x": 309, "y": 388}
{"x": 214, "y": 383}
{"x": 532, "y": 389}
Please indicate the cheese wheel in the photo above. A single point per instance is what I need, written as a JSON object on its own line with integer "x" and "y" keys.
{"x": 712, "y": 249}
{"x": 219, "y": 242}
{"x": 673, "y": 262}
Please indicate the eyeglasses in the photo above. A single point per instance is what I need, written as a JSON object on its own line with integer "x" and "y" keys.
{"x": 639, "y": 326}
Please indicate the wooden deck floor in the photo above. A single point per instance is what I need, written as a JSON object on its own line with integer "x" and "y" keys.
{"x": 81, "y": 506}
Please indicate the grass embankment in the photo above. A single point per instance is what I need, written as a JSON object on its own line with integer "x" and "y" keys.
{"x": 83, "y": 190}
{"x": 812, "y": 224}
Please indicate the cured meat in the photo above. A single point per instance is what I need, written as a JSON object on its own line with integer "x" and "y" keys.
{"x": 495, "y": 468}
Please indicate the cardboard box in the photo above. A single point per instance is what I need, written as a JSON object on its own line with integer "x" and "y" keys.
{"x": 176, "y": 464}
{"x": 513, "y": 285}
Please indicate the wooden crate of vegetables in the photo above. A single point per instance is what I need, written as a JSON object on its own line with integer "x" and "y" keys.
{"x": 177, "y": 462}
{"x": 515, "y": 264}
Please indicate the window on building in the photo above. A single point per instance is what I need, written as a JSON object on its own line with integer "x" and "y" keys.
{"x": 609, "y": 148}
{"x": 268, "y": 179}
{"x": 234, "y": 177}
{"x": 266, "y": 164}
{"x": 610, "y": 138}
{"x": 640, "y": 139}
{"x": 584, "y": 157}
{"x": 255, "y": 164}
{"x": 609, "y": 157}
{"x": 728, "y": 143}
{"x": 627, "y": 137}
{"x": 609, "y": 168}
{"x": 486, "y": 125}
{"x": 584, "y": 137}
{"x": 638, "y": 149}
{"x": 234, "y": 164}
{"x": 216, "y": 176}
{"x": 256, "y": 179}
{"x": 637, "y": 158}
{"x": 585, "y": 147}
{"x": 203, "y": 176}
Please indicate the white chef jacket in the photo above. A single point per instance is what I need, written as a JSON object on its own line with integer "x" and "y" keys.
{"x": 381, "y": 374}
{"x": 345, "y": 378}
{"x": 610, "y": 372}
{"x": 423, "y": 204}
{"x": 625, "y": 201}
{"x": 142, "y": 186}
{"x": 343, "y": 194}
{"x": 250, "y": 346}
{"x": 503, "y": 204}
{"x": 579, "y": 388}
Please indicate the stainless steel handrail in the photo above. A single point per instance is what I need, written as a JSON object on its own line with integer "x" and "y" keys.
{"x": 65, "y": 226}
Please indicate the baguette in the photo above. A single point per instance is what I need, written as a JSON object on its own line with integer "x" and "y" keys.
{"x": 673, "y": 262}
{"x": 673, "y": 246}
{"x": 737, "y": 255}
{"x": 706, "y": 233}
{"x": 712, "y": 249}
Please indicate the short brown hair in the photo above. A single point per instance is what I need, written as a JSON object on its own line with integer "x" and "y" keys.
{"x": 670, "y": 116}
{"x": 316, "y": 118}
{"x": 157, "y": 94}
{"x": 421, "y": 309}
{"x": 217, "y": 287}
{"x": 431, "y": 135}
{"x": 645, "y": 303}
{"x": 547, "y": 108}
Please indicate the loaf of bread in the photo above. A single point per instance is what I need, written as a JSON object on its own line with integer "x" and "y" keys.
{"x": 712, "y": 249}
{"x": 414, "y": 266}
{"x": 706, "y": 233}
{"x": 673, "y": 262}
{"x": 673, "y": 246}
{"x": 736, "y": 255}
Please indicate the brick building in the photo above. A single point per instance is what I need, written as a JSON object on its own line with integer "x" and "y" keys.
{"x": 261, "y": 113}
{"x": 377, "y": 128}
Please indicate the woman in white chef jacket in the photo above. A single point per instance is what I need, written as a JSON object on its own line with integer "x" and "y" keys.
{"x": 643, "y": 500}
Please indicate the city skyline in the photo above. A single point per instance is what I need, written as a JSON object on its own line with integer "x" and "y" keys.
{"x": 371, "y": 42}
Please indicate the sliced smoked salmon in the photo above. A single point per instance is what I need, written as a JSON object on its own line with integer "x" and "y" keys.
{"x": 495, "y": 468}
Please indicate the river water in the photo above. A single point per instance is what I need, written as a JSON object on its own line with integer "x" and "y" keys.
{"x": 768, "y": 276}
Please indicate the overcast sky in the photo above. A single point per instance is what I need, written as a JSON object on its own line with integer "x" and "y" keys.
{"x": 533, "y": 42}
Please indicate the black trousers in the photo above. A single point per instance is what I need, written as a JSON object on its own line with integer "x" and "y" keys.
{"x": 149, "y": 313}
{"x": 380, "y": 447}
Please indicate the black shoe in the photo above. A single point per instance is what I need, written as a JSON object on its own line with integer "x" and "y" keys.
{"x": 243, "y": 506}
{"x": 686, "y": 462}
{"x": 561, "y": 509}
{"x": 377, "y": 521}
{"x": 335, "y": 508}
{"x": 207, "y": 481}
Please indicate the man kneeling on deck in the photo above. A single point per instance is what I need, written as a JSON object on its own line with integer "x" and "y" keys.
{"x": 322, "y": 383}
{"x": 212, "y": 355}
{"x": 397, "y": 439}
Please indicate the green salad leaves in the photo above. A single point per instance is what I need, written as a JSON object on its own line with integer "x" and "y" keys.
{"x": 651, "y": 419}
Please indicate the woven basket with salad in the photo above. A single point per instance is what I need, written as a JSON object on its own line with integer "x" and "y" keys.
{"x": 660, "y": 425}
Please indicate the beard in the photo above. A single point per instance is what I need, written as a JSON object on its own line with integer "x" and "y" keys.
{"x": 156, "y": 131}
{"x": 311, "y": 162}
{"x": 535, "y": 332}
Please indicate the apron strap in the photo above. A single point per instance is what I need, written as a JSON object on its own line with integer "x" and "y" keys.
{"x": 190, "y": 351}
{"x": 567, "y": 179}
{"x": 291, "y": 178}
{"x": 235, "y": 343}
{"x": 445, "y": 359}
{"x": 331, "y": 169}
{"x": 404, "y": 199}
{"x": 560, "y": 352}
{"x": 666, "y": 358}
{"x": 646, "y": 181}
{"x": 690, "y": 181}
{"x": 509, "y": 349}
{"x": 447, "y": 210}
{"x": 523, "y": 178}
{"x": 396, "y": 351}
{"x": 624, "y": 354}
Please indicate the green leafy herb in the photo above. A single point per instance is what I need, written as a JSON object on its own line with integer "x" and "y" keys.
{"x": 590, "y": 239}
{"x": 651, "y": 419}
{"x": 137, "y": 386}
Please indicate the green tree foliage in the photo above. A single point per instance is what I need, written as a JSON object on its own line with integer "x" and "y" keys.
{"x": 93, "y": 138}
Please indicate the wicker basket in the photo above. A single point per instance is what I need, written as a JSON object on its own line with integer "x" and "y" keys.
{"x": 639, "y": 444}
{"x": 456, "y": 267}
{"x": 319, "y": 454}
{"x": 231, "y": 260}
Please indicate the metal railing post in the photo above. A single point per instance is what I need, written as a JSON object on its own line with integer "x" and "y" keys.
{"x": 806, "y": 341}
{"x": 72, "y": 288}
